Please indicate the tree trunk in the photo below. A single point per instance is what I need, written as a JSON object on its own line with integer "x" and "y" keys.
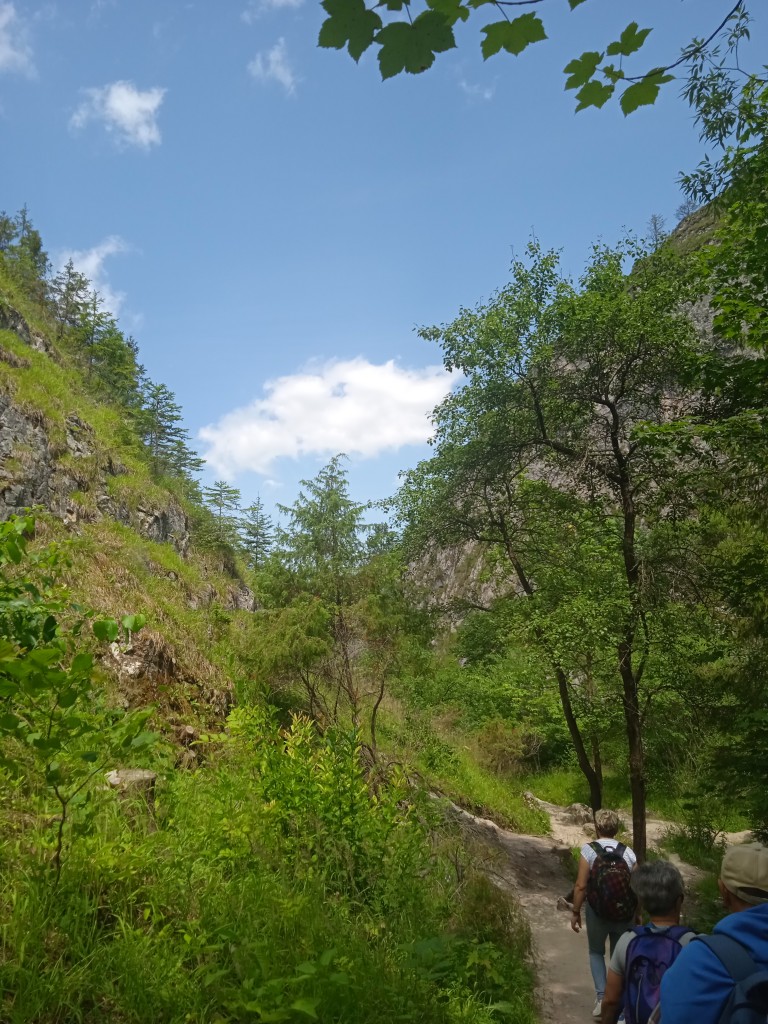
{"x": 637, "y": 781}
{"x": 594, "y": 778}
{"x": 597, "y": 761}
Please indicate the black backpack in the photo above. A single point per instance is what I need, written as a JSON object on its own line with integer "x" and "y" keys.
{"x": 608, "y": 889}
{"x": 748, "y": 1002}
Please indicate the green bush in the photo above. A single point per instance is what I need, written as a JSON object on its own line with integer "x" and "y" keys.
{"x": 273, "y": 884}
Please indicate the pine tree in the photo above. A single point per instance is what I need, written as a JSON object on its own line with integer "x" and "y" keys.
{"x": 70, "y": 294}
{"x": 256, "y": 533}
{"x": 323, "y": 541}
{"x": 114, "y": 362}
{"x": 23, "y": 247}
{"x": 159, "y": 423}
{"x": 7, "y": 231}
{"x": 224, "y": 502}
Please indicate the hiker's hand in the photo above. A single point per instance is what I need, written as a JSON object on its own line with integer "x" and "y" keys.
{"x": 576, "y": 920}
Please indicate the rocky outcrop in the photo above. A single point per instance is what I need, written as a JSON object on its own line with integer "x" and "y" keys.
{"x": 12, "y": 320}
{"x": 453, "y": 579}
{"x": 27, "y": 480}
{"x": 148, "y": 672}
{"x": 168, "y": 525}
{"x": 240, "y": 599}
{"x": 32, "y": 473}
{"x": 17, "y": 362}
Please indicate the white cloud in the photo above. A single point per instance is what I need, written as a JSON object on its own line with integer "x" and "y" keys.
{"x": 256, "y": 8}
{"x": 125, "y": 110}
{"x": 351, "y": 406}
{"x": 274, "y": 66}
{"x": 90, "y": 262}
{"x": 477, "y": 92}
{"x": 15, "y": 53}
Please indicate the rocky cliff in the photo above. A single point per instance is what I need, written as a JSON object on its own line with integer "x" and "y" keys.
{"x": 131, "y": 542}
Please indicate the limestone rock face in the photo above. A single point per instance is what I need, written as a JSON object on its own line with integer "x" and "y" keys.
{"x": 23, "y": 438}
{"x": 12, "y": 320}
{"x": 31, "y": 473}
{"x": 240, "y": 599}
{"x": 203, "y": 598}
{"x": 454, "y": 574}
{"x": 34, "y": 472}
{"x": 168, "y": 525}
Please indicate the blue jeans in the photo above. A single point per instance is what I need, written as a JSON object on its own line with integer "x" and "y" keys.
{"x": 598, "y": 930}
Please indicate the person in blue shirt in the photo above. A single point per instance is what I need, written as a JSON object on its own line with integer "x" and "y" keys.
{"x": 697, "y": 985}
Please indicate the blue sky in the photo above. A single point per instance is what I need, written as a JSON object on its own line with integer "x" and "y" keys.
{"x": 271, "y": 221}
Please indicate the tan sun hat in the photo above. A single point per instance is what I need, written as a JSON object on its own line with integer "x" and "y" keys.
{"x": 745, "y": 872}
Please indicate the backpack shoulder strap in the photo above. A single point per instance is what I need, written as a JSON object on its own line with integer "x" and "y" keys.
{"x": 676, "y": 932}
{"x": 619, "y": 849}
{"x": 597, "y": 848}
{"x": 731, "y": 954}
{"x": 637, "y": 930}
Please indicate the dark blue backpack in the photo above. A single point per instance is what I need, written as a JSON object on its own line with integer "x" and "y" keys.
{"x": 649, "y": 955}
{"x": 748, "y": 1003}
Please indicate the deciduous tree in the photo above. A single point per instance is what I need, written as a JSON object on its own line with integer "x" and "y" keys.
{"x": 541, "y": 458}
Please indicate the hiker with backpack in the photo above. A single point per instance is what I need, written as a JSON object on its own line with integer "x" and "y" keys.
{"x": 603, "y": 882}
{"x": 722, "y": 978}
{"x": 643, "y": 955}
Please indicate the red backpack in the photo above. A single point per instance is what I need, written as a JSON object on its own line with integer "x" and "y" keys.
{"x": 608, "y": 890}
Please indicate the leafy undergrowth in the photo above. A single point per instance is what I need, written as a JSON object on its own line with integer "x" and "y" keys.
{"x": 270, "y": 885}
{"x": 565, "y": 786}
{"x": 446, "y": 759}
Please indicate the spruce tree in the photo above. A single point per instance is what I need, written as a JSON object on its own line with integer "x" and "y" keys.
{"x": 70, "y": 293}
{"x": 224, "y": 501}
{"x": 256, "y": 533}
{"x": 167, "y": 441}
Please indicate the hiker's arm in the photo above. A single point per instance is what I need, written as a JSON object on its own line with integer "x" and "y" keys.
{"x": 579, "y": 893}
{"x": 612, "y": 1000}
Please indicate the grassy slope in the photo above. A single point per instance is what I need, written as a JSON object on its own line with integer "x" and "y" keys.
{"x": 114, "y": 569}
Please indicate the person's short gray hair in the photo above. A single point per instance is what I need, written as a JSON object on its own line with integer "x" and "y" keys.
{"x": 658, "y": 886}
{"x": 607, "y": 823}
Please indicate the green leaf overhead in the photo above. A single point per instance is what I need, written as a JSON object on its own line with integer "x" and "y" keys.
{"x": 644, "y": 92}
{"x": 412, "y": 48}
{"x": 451, "y": 10}
{"x": 349, "y": 24}
{"x": 593, "y": 94}
{"x": 629, "y": 42}
{"x": 582, "y": 68}
{"x": 406, "y": 45}
{"x": 612, "y": 73}
{"x": 512, "y": 36}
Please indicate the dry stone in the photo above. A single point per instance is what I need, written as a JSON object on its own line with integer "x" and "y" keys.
{"x": 132, "y": 784}
{"x": 579, "y": 814}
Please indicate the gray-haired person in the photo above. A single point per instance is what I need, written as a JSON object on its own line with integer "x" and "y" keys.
{"x": 643, "y": 954}
{"x": 603, "y": 882}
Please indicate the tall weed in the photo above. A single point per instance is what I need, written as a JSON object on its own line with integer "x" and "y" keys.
{"x": 271, "y": 885}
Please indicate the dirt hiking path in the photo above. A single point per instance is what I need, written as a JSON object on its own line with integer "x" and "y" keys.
{"x": 535, "y": 868}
